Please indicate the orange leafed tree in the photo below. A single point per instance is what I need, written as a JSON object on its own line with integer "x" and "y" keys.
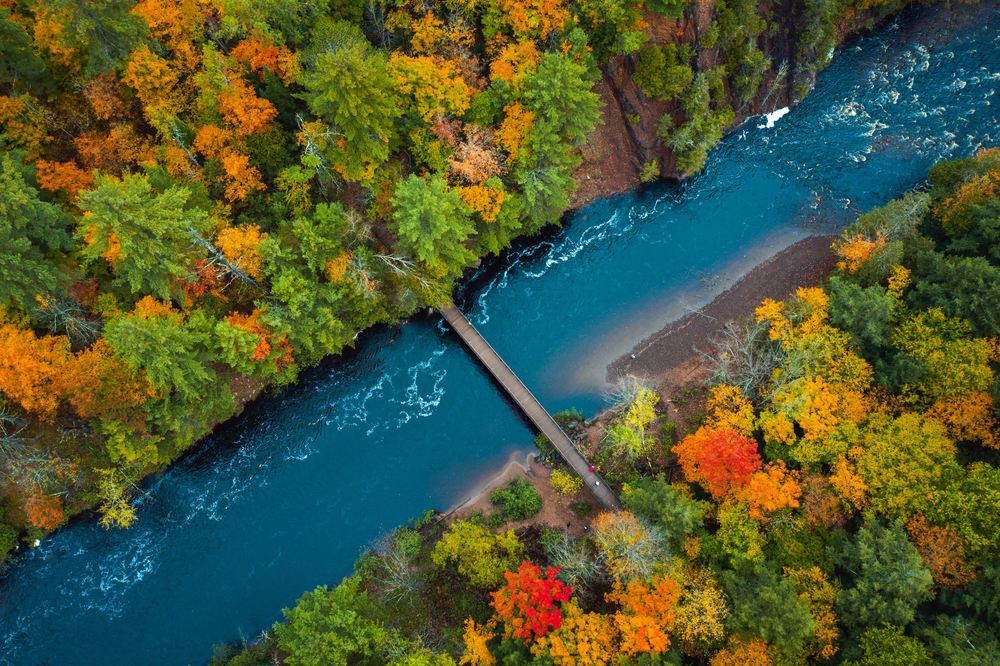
{"x": 103, "y": 94}
{"x": 243, "y": 109}
{"x": 172, "y": 21}
{"x": 50, "y": 34}
{"x": 336, "y": 268}
{"x": 476, "y": 636}
{"x": 211, "y": 141}
{"x": 241, "y": 246}
{"x": 44, "y": 511}
{"x": 719, "y": 460}
{"x": 730, "y": 410}
{"x": 150, "y": 307}
{"x": 426, "y": 34}
{"x": 117, "y": 150}
{"x": 252, "y": 324}
{"x": 154, "y": 80}
{"x": 855, "y": 252}
{"x": 968, "y": 417}
{"x": 771, "y": 489}
{"x": 752, "y": 652}
{"x": 32, "y": 369}
{"x": 485, "y": 200}
{"x": 260, "y": 54}
{"x": 515, "y": 63}
{"x": 819, "y": 504}
{"x": 583, "y": 639}
{"x": 942, "y": 551}
{"x": 98, "y": 385}
{"x": 64, "y": 176}
{"x": 474, "y": 160}
{"x": 534, "y": 18}
{"x": 515, "y": 130}
{"x": 647, "y": 613}
{"x": 241, "y": 178}
{"x": 850, "y": 487}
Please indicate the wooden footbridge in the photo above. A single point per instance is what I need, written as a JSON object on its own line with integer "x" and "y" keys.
{"x": 529, "y": 405}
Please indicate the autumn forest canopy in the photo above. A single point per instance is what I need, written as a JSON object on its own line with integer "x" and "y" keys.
{"x": 200, "y": 198}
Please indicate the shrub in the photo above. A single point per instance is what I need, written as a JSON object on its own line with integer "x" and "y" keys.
{"x": 664, "y": 72}
{"x": 565, "y": 483}
{"x": 495, "y": 520}
{"x": 8, "y": 539}
{"x": 574, "y": 557}
{"x": 650, "y": 171}
{"x": 481, "y": 556}
{"x": 582, "y": 509}
{"x": 518, "y": 501}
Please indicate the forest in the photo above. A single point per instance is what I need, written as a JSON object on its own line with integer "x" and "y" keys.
{"x": 837, "y": 500}
{"x": 199, "y": 198}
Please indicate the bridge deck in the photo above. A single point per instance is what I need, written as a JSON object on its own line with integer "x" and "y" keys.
{"x": 529, "y": 404}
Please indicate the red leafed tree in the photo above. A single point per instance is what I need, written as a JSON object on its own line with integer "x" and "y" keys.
{"x": 719, "y": 460}
{"x": 527, "y": 603}
{"x": 211, "y": 281}
{"x": 45, "y": 511}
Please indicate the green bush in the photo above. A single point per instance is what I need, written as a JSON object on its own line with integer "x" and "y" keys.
{"x": 567, "y": 418}
{"x": 696, "y": 419}
{"x": 650, "y": 171}
{"x": 668, "y": 432}
{"x": 518, "y": 501}
{"x": 496, "y": 520}
{"x": 582, "y": 509}
{"x": 543, "y": 444}
{"x": 8, "y": 539}
{"x": 664, "y": 72}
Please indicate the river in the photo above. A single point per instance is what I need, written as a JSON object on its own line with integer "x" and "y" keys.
{"x": 284, "y": 497}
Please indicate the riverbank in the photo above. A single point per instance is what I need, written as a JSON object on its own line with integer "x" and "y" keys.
{"x": 803, "y": 264}
{"x": 555, "y": 512}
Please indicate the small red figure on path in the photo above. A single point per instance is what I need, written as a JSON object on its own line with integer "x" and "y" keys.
{"x": 591, "y": 468}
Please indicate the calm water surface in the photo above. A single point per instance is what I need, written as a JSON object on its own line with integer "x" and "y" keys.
{"x": 283, "y": 498}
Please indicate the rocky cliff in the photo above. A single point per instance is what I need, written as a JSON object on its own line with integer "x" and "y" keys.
{"x": 616, "y": 150}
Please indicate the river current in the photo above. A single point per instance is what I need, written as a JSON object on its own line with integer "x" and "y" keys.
{"x": 286, "y": 496}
